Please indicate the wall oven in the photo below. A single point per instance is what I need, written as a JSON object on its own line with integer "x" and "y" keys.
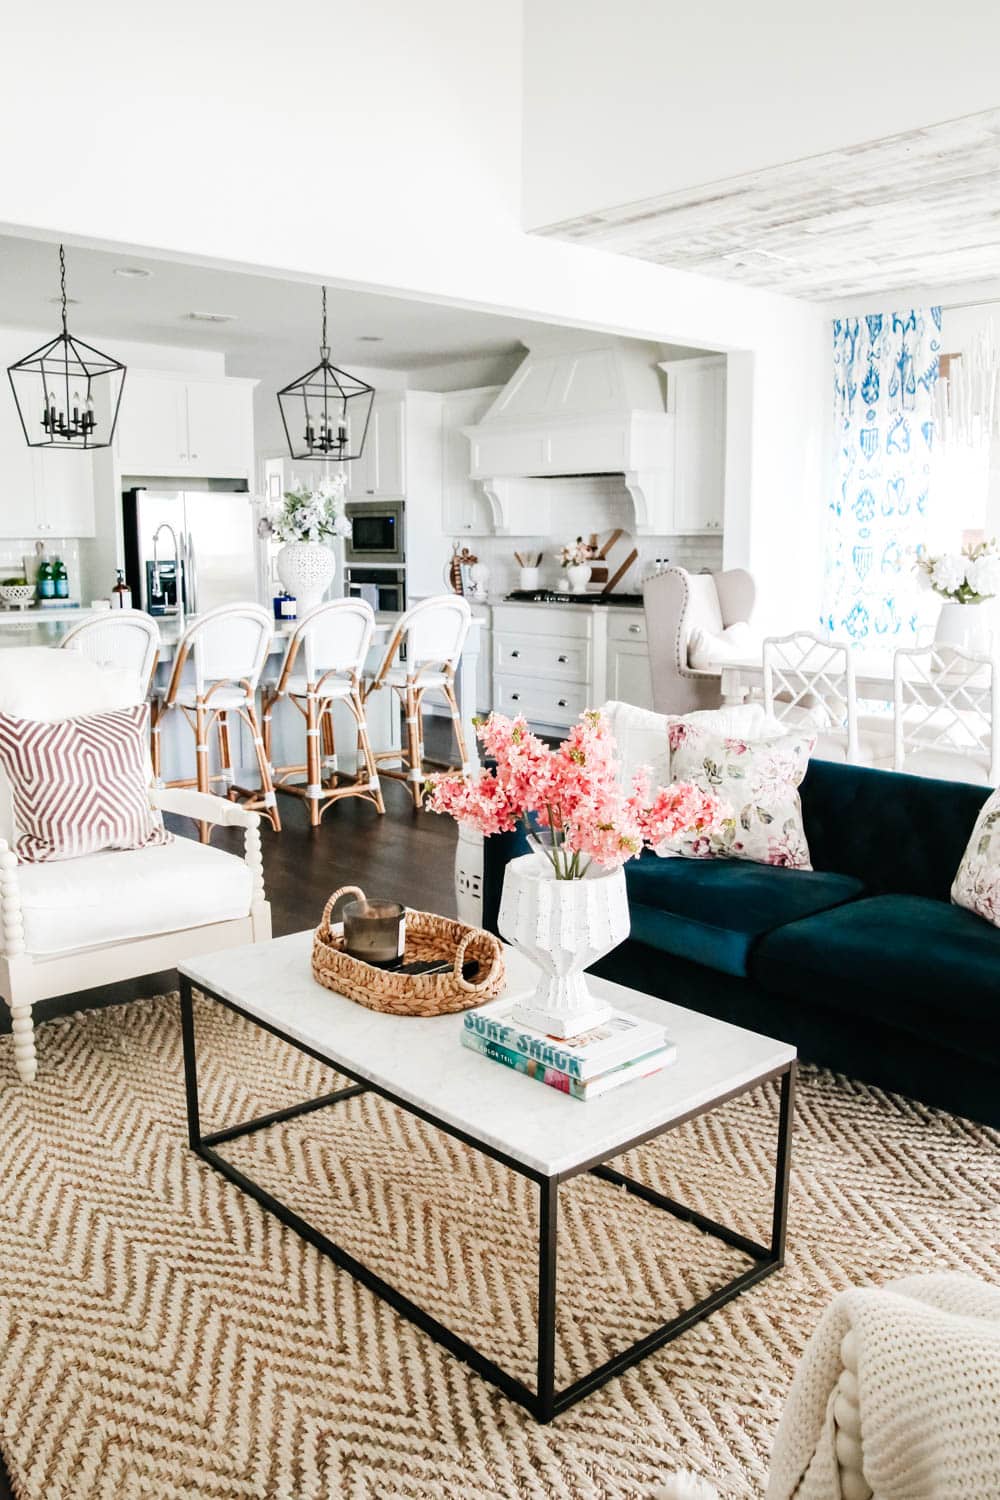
{"x": 377, "y": 532}
{"x": 384, "y": 588}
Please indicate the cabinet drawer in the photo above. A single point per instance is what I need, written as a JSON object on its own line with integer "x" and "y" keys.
{"x": 549, "y": 656}
{"x": 627, "y": 627}
{"x": 544, "y": 619}
{"x": 540, "y": 701}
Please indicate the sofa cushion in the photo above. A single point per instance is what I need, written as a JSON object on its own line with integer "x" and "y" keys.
{"x": 929, "y": 968}
{"x": 714, "y": 911}
{"x": 121, "y": 894}
{"x": 900, "y": 834}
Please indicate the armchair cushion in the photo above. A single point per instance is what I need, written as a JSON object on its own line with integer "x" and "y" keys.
{"x": 120, "y": 895}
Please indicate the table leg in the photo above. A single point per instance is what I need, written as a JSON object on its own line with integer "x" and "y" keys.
{"x": 783, "y": 1163}
{"x": 190, "y": 1064}
{"x": 548, "y": 1267}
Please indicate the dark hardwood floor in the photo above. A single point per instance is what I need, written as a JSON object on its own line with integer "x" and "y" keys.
{"x": 405, "y": 855}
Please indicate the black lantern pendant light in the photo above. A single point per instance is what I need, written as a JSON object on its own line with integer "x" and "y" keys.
{"x": 67, "y": 394}
{"x": 326, "y": 412}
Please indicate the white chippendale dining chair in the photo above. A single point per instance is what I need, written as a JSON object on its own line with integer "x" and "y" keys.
{"x": 323, "y": 665}
{"x": 80, "y": 923}
{"x": 126, "y": 638}
{"x": 226, "y": 647}
{"x": 810, "y": 684}
{"x": 946, "y": 703}
{"x": 428, "y": 642}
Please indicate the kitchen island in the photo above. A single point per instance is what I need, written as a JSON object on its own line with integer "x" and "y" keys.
{"x": 35, "y": 627}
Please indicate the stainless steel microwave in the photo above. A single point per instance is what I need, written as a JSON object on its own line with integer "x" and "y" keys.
{"x": 378, "y": 532}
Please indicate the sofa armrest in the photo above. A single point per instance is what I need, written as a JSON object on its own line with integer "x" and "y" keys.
{"x": 498, "y": 852}
{"x": 11, "y": 916}
{"x": 203, "y": 807}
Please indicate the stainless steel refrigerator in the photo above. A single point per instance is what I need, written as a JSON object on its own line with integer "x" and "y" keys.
{"x": 198, "y": 544}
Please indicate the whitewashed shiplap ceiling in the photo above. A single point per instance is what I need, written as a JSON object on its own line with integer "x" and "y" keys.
{"x": 921, "y": 208}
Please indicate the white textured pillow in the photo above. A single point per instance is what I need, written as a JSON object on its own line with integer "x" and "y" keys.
{"x": 39, "y": 683}
{"x": 735, "y": 643}
{"x": 642, "y": 740}
{"x": 977, "y": 884}
{"x": 759, "y": 781}
{"x": 748, "y": 721}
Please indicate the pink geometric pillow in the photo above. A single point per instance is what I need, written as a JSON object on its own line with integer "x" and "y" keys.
{"x": 80, "y": 785}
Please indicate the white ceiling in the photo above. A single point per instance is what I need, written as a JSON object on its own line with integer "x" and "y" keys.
{"x": 277, "y": 322}
{"x": 917, "y": 208}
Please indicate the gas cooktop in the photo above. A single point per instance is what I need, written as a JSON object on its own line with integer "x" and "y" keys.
{"x": 552, "y": 596}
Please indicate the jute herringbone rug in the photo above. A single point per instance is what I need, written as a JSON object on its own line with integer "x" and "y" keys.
{"x": 161, "y": 1336}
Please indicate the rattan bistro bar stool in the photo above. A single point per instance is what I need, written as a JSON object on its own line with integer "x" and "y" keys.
{"x": 127, "y": 638}
{"x": 323, "y": 666}
{"x": 228, "y": 647}
{"x": 428, "y": 640}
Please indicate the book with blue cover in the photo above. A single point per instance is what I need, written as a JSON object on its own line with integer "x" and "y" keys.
{"x": 620, "y": 1039}
{"x": 577, "y": 1088}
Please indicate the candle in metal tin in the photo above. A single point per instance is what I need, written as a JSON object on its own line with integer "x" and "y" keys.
{"x": 375, "y": 931}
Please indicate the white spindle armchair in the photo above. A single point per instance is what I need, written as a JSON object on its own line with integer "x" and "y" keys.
{"x": 79, "y": 923}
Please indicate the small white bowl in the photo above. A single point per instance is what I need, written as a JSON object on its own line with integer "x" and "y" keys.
{"x": 17, "y": 595}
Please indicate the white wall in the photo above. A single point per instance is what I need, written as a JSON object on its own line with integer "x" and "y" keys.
{"x": 215, "y": 133}
{"x": 625, "y": 102}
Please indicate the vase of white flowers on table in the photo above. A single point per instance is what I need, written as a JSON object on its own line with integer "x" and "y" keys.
{"x": 575, "y": 558}
{"x": 966, "y": 582}
{"x": 307, "y": 520}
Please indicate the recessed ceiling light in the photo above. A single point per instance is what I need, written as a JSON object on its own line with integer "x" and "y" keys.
{"x": 369, "y": 338}
{"x": 211, "y": 317}
{"x": 133, "y": 273}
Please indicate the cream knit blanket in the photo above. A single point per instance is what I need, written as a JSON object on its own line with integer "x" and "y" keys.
{"x": 927, "y": 1352}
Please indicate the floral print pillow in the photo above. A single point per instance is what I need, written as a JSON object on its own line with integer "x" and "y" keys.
{"x": 977, "y": 884}
{"x": 759, "y": 781}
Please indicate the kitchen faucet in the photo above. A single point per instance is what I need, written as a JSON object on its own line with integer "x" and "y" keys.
{"x": 178, "y": 578}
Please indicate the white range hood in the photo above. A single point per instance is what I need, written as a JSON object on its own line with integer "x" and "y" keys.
{"x": 579, "y": 406}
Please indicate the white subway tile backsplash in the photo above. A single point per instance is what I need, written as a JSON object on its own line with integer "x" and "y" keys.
{"x": 18, "y": 558}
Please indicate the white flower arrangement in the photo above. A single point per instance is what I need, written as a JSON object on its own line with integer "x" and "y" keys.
{"x": 574, "y": 554}
{"x": 967, "y": 577}
{"x": 311, "y": 515}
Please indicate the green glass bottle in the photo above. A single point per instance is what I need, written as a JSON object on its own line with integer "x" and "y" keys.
{"x": 45, "y": 586}
{"x": 60, "y": 578}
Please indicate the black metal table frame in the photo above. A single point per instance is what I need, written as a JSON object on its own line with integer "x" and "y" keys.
{"x": 545, "y": 1402}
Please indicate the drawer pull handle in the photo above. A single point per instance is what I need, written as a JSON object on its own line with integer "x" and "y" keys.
{"x": 635, "y": 630}
{"x": 514, "y": 697}
{"x": 515, "y": 653}
{"x": 562, "y": 703}
{"x": 562, "y": 658}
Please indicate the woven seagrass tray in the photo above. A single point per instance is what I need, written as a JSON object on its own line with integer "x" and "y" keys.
{"x": 428, "y": 937}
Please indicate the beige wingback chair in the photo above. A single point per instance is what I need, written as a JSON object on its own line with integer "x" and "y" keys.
{"x": 676, "y": 603}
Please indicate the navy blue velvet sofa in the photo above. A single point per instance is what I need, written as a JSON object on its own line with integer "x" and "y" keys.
{"x": 862, "y": 962}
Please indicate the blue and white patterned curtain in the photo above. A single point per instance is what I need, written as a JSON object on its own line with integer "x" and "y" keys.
{"x": 885, "y": 370}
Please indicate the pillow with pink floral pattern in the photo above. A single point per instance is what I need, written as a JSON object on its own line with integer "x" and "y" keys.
{"x": 977, "y": 884}
{"x": 759, "y": 780}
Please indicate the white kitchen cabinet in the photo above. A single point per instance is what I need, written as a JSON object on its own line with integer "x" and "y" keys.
{"x": 696, "y": 398}
{"x": 47, "y": 493}
{"x": 628, "y": 679}
{"x": 173, "y": 425}
{"x": 465, "y": 509}
{"x": 380, "y": 473}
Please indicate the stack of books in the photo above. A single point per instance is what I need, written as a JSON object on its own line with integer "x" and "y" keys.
{"x": 619, "y": 1050}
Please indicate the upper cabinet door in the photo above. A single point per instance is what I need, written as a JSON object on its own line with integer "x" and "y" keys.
{"x": 219, "y": 428}
{"x": 152, "y": 425}
{"x": 696, "y": 395}
{"x": 464, "y": 506}
{"x": 380, "y": 472}
{"x": 64, "y": 493}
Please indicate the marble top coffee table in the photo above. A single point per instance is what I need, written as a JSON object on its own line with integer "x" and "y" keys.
{"x": 421, "y": 1066}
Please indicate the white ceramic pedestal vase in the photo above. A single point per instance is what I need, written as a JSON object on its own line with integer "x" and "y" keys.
{"x": 306, "y": 569}
{"x": 578, "y": 575}
{"x": 563, "y": 926}
{"x": 967, "y": 627}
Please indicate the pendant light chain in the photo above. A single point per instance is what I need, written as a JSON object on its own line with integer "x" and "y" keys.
{"x": 324, "y": 347}
{"x": 62, "y": 283}
{"x": 333, "y": 406}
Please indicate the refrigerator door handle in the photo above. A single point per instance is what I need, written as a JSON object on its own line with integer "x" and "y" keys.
{"x": 190, "y": 576}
